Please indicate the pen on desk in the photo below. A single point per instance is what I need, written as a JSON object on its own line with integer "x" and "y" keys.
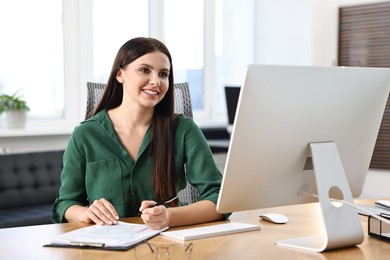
{"x": 163, "y": 202}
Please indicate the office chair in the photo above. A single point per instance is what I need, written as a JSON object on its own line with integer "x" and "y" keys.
{"x": 183, "y": 106}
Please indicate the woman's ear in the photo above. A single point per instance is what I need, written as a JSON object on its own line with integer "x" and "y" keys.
{"x": 119, "y": 76}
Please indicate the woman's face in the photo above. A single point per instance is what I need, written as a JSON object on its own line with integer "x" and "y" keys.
{"x": 145, "y": 80}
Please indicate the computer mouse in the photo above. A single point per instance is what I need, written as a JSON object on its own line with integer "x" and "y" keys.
{"x": 276, "y": 218}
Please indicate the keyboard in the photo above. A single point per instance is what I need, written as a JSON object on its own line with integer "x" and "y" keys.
{"x": 210, "y": 231}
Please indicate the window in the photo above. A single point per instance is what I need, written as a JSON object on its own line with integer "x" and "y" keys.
{"x": 32, "y": 54}
{"x": 211, "y": 42}
{"x": 364, "y": 42}
{"x": 114, "y": 23}
{"x": 235, "y": 47}
{"x": 184, "y": 36}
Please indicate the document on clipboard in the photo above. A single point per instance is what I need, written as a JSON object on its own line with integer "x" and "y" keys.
{"x": 375, "y": 208}
{"x": 383, "y": 204}
{"x": 121, "y": 236}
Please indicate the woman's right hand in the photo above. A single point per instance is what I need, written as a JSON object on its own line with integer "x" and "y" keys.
{"x": 101, "y": 212}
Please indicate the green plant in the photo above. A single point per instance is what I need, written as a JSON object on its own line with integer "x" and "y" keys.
{"x": 13, "y": 102}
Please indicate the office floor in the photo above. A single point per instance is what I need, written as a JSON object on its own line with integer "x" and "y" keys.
{"x": 377, "y": 182}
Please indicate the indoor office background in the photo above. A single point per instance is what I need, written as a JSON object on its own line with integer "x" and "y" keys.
{"x": 49, "y": 49}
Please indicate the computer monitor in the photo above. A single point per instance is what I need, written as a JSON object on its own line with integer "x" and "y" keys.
{"x": 291, "y": 117}
{"x": 231, "y": 94}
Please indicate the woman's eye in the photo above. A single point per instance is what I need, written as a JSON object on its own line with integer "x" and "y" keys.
{"x": 144, "y": 70}
{"x": 163, "y": 74}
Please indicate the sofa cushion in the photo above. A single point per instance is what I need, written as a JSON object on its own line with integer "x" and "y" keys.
{"x": 29, "y": 183}
{"x": 26, "y": 216}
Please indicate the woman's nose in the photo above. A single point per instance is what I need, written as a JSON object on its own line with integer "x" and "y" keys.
{"x": 154, "y": 79}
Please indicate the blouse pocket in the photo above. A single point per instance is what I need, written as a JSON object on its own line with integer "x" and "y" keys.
{"x": 104, "y": 180}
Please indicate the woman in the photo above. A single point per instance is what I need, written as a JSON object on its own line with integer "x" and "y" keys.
{"x": 135, "y": 151}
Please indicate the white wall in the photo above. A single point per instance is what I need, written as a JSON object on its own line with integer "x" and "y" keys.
{"x": 377, "y": 184}
{"x": 299, "y": 32}
{"x": 284, "y": 32}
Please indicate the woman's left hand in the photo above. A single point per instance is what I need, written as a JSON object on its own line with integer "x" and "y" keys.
{"x": 154, "y": 217}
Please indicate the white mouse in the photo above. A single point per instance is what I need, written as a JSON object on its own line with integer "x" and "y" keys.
{"x": 274, "y": 218}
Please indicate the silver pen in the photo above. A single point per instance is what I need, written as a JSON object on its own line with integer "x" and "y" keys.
{"x": 85, "y": 244}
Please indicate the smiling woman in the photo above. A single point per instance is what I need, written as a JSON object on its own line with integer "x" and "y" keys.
{"x": 154, "y": 151}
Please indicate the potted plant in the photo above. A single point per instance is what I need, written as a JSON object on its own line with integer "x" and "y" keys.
{"x": 15, "y": 108}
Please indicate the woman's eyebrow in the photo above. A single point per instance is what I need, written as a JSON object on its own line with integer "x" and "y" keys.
{"x": 151, "y": 67}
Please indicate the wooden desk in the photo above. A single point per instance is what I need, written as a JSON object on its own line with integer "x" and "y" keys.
{"x": 26, "y": 242}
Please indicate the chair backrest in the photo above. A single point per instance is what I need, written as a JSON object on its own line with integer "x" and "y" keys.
{"x": 183, "y": 103}
{"x": 183, "y": 106}
{"x": 94, "y": 93}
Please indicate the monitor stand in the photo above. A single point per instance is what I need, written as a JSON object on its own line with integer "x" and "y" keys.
{"x": 341, "y": 225}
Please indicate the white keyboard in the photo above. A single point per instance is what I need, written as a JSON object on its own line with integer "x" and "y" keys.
{"x": 210, "y": 231}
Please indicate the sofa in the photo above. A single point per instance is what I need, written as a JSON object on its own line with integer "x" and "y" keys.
{"x": 29, "y": 183}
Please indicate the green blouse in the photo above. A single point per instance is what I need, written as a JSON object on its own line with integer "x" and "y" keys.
{"x": 96, "y": 165}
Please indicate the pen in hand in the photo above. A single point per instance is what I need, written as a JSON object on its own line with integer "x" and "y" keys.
{"x": 163, "y": 202}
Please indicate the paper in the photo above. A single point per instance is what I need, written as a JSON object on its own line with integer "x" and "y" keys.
{"x": 371, "y": 209}
{"x": 383, "y": 204}
{"x": 120, "y": 235}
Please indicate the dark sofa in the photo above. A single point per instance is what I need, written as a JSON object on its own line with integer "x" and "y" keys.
{"x": 29, "y": 183}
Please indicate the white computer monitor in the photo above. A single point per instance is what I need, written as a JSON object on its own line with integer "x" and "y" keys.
{"x": 291, "y": 116}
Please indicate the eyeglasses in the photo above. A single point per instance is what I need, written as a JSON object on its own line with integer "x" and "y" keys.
{"x": 164, "y": 251}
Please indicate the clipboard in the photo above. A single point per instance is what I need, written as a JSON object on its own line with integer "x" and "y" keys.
{"x": 383, "y": 204}
{"x": 120, "y": 237}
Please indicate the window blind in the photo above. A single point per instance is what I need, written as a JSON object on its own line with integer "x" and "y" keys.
{"x": 364, "y": 41}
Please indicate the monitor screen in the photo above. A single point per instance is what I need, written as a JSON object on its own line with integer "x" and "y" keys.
{"x": 281, "y": 110}
{"x": 231, "y": 94}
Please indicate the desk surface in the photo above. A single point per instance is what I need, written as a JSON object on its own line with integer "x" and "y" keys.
{"x": 26, "y": 242}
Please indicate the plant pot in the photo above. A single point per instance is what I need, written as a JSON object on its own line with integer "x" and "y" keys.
{"x": 16, "y": 119}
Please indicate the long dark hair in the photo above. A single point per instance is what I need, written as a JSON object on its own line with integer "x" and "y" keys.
{"x": 162, "y": 134}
